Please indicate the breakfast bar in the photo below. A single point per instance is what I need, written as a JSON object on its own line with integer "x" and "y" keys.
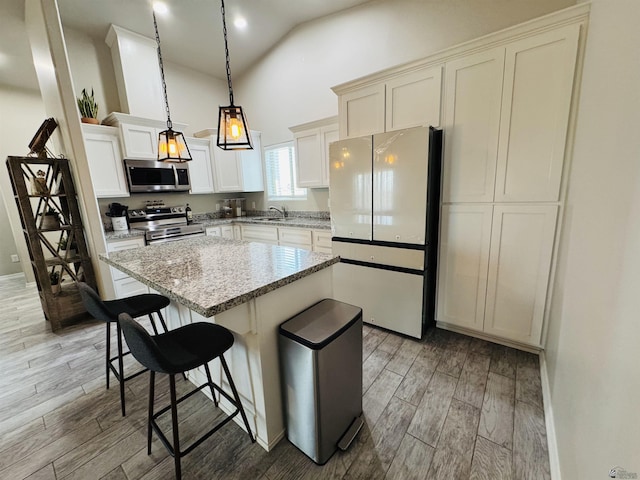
{"x": 249, "y": 288}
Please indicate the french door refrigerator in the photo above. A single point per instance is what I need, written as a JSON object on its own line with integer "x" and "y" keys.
{"x": 385, "y": 195}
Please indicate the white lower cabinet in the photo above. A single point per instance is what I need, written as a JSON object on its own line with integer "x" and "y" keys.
{"x": 494, "y": 268}
{"x": 227, "y": 232}
{"x": 465, "y": 236}
{"x": 258, "y": 233}
{"x": 321, "y": 241}
{"x": 123, "y": 285}
{"x": 295, "y": 237}
{"x": 213, "y": 231}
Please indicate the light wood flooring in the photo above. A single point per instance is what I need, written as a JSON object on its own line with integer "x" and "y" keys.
{"x": 447, "y": 407}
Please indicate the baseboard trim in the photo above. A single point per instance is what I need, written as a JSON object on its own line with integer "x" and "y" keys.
{"x": 552, "y": 441}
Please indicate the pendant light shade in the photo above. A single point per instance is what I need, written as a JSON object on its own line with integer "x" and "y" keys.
{"x": 172, "y": 146}
{"x": 233, "y": 129}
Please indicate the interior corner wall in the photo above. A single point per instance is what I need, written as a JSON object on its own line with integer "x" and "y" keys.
{"x": 21, "y": 113}
{"x": 92, "y": 69}
{"x": 291, "y": 84}
{"x": 592, "y": 352}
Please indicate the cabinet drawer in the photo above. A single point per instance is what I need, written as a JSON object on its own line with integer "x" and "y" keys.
{"x": 227, "y": 231}
{"x": 127, "y": 286}
{"x": 117, "y": 246}
{"x": 322, "y": 239}
{"x": 213, "y": 231}
{"x": 260, "y": 234}
{"x": 295, "y": 236}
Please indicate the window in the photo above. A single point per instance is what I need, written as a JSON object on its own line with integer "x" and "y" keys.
{"x": 280, "y": 167}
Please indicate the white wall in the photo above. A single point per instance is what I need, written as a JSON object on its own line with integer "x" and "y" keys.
{"x": 593, "y": 352}
{"x": 21, "y": 113}
{"x": 92, "y": 68}
{"x": 291, "y": 85}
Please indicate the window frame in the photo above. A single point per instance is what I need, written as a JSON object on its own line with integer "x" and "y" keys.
{"x": 268, "y": 172}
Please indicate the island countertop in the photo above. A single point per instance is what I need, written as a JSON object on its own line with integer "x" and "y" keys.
{"x": 210, "y": 274}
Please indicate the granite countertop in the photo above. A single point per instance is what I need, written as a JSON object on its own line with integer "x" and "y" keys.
{"x": 294, "y": 222}
{"x": 210, "y": 274}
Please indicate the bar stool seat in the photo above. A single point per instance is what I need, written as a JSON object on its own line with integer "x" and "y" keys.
{"x": 108, "y": 311}
{"x": 178, "y": 351}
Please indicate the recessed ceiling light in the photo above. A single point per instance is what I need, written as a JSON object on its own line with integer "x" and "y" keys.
{"x": 240, "y": 23}
{"x": 160, "y": 8}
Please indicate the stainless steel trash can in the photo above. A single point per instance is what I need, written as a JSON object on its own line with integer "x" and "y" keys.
{"x": 321, "y": 364}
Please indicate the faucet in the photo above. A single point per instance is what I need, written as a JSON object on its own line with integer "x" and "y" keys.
{"x": 282, "y": 210}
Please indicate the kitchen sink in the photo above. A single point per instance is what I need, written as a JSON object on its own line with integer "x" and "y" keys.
{"x": 272, "y": 219}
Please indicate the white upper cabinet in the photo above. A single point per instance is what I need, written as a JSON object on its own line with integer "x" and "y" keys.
{"x": 201, "y": 166}
{"x": 398, "y": 100}
{"x": 311, "y": 142}
{"x": 105, "y": 160}
{"x": 362, "y": 111}
{"x": 506, "y": 119}
{"x": 538, "y": 81}
{"x": 413, "y": 99}
{"x": 140, "y": 141}
{"x": 139, "y": 135}
{"x": 236, "y": 170}
{"x": 473, "y": 86}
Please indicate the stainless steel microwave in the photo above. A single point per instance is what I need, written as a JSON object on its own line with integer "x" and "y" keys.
{"x": 153, "y": 176}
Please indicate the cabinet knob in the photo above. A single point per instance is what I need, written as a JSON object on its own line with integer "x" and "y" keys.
{"x": 397, "y": 237}
{"x": 372, "y": 257}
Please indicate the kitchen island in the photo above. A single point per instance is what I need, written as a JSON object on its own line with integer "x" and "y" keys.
{"x": 249, "y": 288}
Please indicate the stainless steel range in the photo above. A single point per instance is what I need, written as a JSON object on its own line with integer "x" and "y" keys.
{"x": 163, "y": 224}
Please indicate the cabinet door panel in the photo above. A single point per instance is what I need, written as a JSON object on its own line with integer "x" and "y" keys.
{"x": 200, "y": 168}
{"x": 308, "y": 158}
{"x": 227, "y": 171}
{"x": 140, "y": 141}
{"x": 464, "y": 260}
{"x": 473, "y": 88}
{"x": 413, "y": 99}
{"x": 538, "y": 76}
{"x": 362, "y": 112}
{"x": 520, "y": 259}
{"x": 250, "y": 163}
{"x": 105, "y": 163}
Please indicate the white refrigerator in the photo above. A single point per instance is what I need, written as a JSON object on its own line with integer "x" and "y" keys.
{"x": 385, "y": 195}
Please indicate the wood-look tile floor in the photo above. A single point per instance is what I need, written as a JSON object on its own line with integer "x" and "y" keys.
{"x": 446, "y": 407}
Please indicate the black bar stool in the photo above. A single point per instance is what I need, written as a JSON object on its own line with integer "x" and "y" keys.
{"x": 108, "y": 311}
{"x": 178, "y": 351}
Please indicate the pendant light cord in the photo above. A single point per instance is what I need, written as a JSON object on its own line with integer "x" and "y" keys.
{"x": 226, "y": 52}
{"x": 164, "y": 84}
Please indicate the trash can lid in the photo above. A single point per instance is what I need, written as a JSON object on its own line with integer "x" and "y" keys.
{"x": 321, "y": 323}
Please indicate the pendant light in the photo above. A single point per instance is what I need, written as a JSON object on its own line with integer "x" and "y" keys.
{"x": 233, "y": 129}
{"x": 172, "y": 146}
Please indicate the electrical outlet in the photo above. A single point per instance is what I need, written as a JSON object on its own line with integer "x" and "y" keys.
{"x": 217, "y": 207}
{"x": 15, "y": 258}
{"x": 253, "y": 205}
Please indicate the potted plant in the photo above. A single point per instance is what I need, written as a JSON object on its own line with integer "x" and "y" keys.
{"x": 67, "y": 250}
{"x": 88, "y": 108}
{"x": 54, "y": 279}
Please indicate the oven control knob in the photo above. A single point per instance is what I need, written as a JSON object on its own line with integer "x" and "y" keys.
{"x": 178, "y": 209}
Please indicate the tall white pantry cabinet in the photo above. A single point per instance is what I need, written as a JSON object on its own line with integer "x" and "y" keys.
{"x": 506, "y": 103}
{"x": 506, "y": 117}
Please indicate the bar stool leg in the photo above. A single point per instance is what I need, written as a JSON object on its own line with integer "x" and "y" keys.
{"x": 152, "y": 385}
{"x": 213, "y": 393}
{"x": 108, "y": 324}
{"x": 164, "y": 325}
{"x": 237, "y": 397}
{"x": 153, "y": 324}
{"x": 174, "y": 426}
{"x": 120, "y": 367}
